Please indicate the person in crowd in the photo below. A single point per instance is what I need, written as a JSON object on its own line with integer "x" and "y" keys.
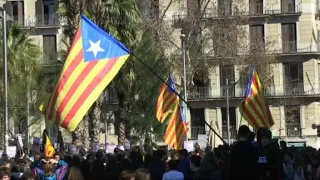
{"x": 298, "y": 167}
{"x": 142, "y": 174}
{"x": 49, "y": 170}
{"x": 195, "y": 164}
{"x": 241, "y": 152}
{"x": 208, "y": 169}
{"x": 75, "y": 174}
{"x": 127, "y": 175}
{"x": 289, "y": 165}
{"x": 263, "y": 139}
{"x": 184, "y": 163}
{"x": 173, "y": 173}
{"x": 28, "y": 176}
{"x": 157, "y": 165}
{"x": 113, "y": 168}
{"x": 87, "y": 165}
{"x": 5, "y": 173}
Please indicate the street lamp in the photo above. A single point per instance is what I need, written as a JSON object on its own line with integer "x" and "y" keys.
{"x": 183, "y": 50}
{"x": 232, "y": 83}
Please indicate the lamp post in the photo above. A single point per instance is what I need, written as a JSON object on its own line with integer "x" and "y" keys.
{"x": 183, "y": 50}
{"x": 5, "y": 82}
{"x": 232, "y": 83}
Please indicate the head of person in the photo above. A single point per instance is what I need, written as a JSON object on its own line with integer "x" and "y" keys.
{"x": 127, "y": 175}
{"x": 90, "y": 158}
{"x": 243, "y": 133}
{"x": 195, "y": 161}
{"x": 182, "y": 154}
{"x": 48, "y": 169}
{"x": 209, "y": 159}
{"x": 173, "y": 165}
{"x": 283, "y": 145}
{"x": 57, "y": 156}
{"x": 142, "y": 174}
{"x": 75, "y": 174}
{"x": 28, "y": 176}
{"x": 5, "y": 174}
{"x": 263, "y": 136}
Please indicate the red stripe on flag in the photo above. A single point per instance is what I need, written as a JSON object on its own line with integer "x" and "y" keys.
{"x": 246, "y": 111}
{"x": 74, "y": 88}
{"x": 97, "y": 80}
{"x": 77, "y": 60}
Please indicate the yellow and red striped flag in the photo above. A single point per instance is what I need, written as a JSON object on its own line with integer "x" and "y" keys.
{"x": 94, "y": 59}
{"x": 49, "y": 149}
{"x": 166, "y": 100}
{"x": 176, "y": 129}
{"x": 254, "y": 107}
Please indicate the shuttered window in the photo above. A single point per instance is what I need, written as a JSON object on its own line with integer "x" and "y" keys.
{"x": 289, "y": 37}
{"x": 193, "y": 7}
{"x": 49, "y": 47}
{"x": 256, "y": 7}
{"x": 288, "y": 6}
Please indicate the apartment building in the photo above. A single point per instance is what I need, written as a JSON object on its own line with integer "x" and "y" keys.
{"x": 39, "y": 19}
{"x": 294, "y": 91}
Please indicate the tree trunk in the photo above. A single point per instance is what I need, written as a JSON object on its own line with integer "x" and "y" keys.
{"x": 121, "y": 113}
{"x": 80, "y": 136}
{"x": 94, "y": 122}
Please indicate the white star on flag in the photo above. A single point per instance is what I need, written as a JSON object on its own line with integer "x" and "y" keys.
{"x": 95, "y": 48}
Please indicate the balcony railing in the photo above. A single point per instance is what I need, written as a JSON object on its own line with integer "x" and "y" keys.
{"x": 233, "y": 131}
{"x": 292, "y": 47}
{"x": 110, "y": 95}
{"x": 288, "y": 7}
{"x": 196, "y": 130}
{"x": 43, "y": 20}
{"x": 49, "y": 58}
{"x": 293, "y": 129}
{"x": 293, "y": 89}
{"x": 256, "y": 9}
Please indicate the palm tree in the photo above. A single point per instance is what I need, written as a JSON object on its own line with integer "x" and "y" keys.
{"x": 117, "y": 17}
{"x": 24, "y": 75}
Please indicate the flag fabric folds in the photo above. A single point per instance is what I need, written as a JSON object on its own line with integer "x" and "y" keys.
{"x": 176, "y": 128}
{"x": 166, "y": 100}
{"x": 254, "y": 107}
{"x": 94, "y": 59}
{"x": 49, "y": 149}
{"x": 169, "y": 104}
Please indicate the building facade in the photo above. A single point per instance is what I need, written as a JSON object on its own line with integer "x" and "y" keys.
{"x": 293, "y": 93}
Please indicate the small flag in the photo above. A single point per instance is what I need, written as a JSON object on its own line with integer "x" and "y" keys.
{"x": 254, "y": 107}
{"x": 94, "y": 59}
{"x": 176, "y": 129}
{"x": 166, "y": 100}
{"x": 49, "y": 149}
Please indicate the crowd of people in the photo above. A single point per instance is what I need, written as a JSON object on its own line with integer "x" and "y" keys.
{"x": 251, "y": 157}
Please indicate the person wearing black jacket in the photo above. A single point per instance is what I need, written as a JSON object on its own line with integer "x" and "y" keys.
{"x": 243, "y": 162}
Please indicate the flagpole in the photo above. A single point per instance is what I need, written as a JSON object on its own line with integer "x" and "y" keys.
{"x": 183, "y": 47}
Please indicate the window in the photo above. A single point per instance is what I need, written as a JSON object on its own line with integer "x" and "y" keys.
{"x": 257, "y": 37}
{"x": 289, "y": 37}
{"x": 256, "y": 7}
{"x": 227, "y": 72}
{"x": 16, "y": 10}
{"x": 224, "y": 8}
{"x": 193, "y": 7}
{"x": 232, "y": 120}
{"x": 49, "y": 48}
{"x": 293, "y": 78}
{"x": 292, "y": 119}
{"x": 197, "y": 122}
{"x": 287, "y": 6}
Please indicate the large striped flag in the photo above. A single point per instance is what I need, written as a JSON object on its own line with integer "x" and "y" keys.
{"x": 176, "y": 129}
{"x": 166, "y": 100}
{"x": 94, "y": 59}
{"x": 254, "y": 107}
{"x": 49, "y": 149}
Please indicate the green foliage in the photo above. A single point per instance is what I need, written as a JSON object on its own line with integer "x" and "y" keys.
{"x": 25, "y": 78}
{"x": 145, "y": 87}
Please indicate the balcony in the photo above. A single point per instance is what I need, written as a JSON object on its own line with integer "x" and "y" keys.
{"x": 38, "y": 21}
{"x": 293, "y": 47}
{"x": 49, "y": 58}
{"x": 293, "y": 129}
{"x": 287, "y": 9}
{"x": 233, "y": 131}
{"x": 195, "y": 130}
{"x": 294, "y": 89}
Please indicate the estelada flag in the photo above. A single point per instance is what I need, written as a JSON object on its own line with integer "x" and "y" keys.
{"x": 49, "y": 149}
{"x": 94, "y": 59}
